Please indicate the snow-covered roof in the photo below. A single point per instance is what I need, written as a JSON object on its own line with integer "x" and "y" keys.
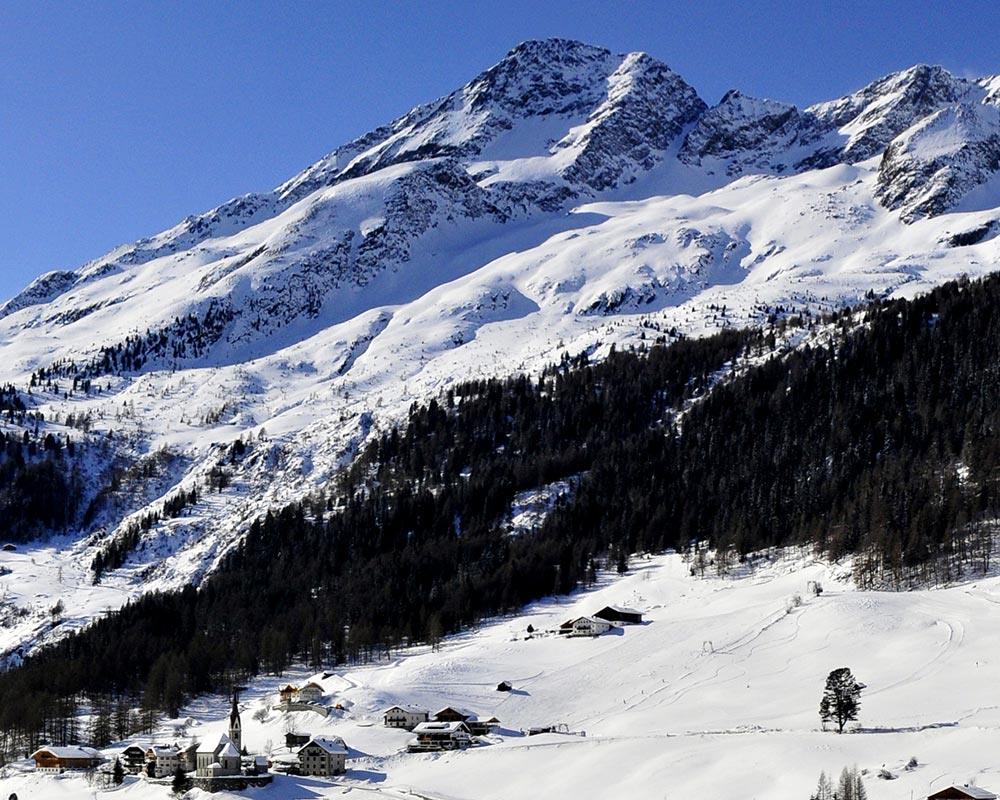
{"x": 975, "y": 792}
{"x": 410, "y": 709}
{"x": 214, "y": 743}
{"x": 311, "y": 685}
{"x": 334, "y": 746}
{"x": 458, "y": 710}
{"x": 592, "y": 620}
{"x": 68, "y": 751}
{"x": 229, "y": 751}
{"x": 439, "y": 727}
{"x": 623, "y": 609}
{"x": 161, "y": 750}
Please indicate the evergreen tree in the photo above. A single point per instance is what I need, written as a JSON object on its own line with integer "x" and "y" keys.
{"x": 841, "y": 698}
{"x": 179, "y": 783}
{"x": 118, "y": 773}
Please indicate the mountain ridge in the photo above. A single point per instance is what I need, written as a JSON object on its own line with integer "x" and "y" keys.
{"x": 566, "y": 200}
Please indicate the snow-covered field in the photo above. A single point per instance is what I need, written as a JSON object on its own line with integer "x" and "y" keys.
{"x": 715, "y": 696}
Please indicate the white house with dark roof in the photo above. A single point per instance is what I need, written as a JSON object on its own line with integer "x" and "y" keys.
{"x": 406, "y": 717}
{"x": 433, "y": 736}
{"x": 585, "y": 626}
{"x": 311, "y": 692}
{"x": 163, "y": 760}
{"x": 323, "y": 757}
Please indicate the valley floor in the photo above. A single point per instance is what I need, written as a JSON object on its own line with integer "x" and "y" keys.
{"x": 716, "y": 695}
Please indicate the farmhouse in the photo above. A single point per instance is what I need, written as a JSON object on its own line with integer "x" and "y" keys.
{"x": 481, "y": 727}
{"x": 62, "y": 759}
{"x": 162, "y": 760}
{"x": 133, "y": 759}
{"x": 405, "y": 717}
{"x": 433, "y": 736}
{"x": 323, "y": 757}
{"x": 452, "y": 714}
{"x": 963, "y": 793}
{"x": 585, "y": 626}
{"x": 310, "y": 693}
{"x": 620, "y": 614}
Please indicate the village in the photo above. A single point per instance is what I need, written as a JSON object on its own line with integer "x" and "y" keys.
{"x": 561, "y": 682}
{"x": 222, "y": 762}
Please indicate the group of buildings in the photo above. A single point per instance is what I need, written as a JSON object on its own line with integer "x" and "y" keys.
{"x": 450, "y": 728}
{"x": 601, "y": 622}
{"x": 219, "y": 762}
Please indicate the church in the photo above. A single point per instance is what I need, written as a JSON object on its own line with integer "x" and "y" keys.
{"x": 220, "y": 756}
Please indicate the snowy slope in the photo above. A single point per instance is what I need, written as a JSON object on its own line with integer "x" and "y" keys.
{"x": 564, "y": 200}
{"x": 721, "y": 684}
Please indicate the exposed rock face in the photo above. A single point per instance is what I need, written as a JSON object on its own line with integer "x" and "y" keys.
{"x": 928, "y": 169}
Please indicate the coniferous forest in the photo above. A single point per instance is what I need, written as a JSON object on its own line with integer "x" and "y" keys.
{"x": 881, "y": 439}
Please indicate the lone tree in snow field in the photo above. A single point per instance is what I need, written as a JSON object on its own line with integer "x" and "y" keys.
{"x": 841, "y": 698}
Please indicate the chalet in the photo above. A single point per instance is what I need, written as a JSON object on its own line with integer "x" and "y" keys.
{"x": 405, "y": 717}
{"x": 63, "y": 759}
{"x": 323, "y": 757}
{"x": 295, "y": 739}
{"x": 481, "y": 727}
{"x": 286, "y": 694}
{"x": 962, "y": 793}
{"x": 585, "y": 626}
{"x": 162, "y": 760}
{"x": 310, "y": 693}
{"x": 133, "y": 759}
{"x": 433, "y": 736}
{"x": 620, "y": 614}
{"x": 452, "y": 714}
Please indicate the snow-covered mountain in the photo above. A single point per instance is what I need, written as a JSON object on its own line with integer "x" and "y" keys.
{"x": 566, "y": 199}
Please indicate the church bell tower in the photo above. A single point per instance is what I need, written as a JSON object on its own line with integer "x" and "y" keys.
{"x": 235, "y": 727}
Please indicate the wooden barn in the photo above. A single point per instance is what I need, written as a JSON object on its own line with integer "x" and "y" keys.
{"x": 963, "y": 793}
{"x": 62, "y": 759}
{"x": 294, "y": 739}
{"x": 453, "y": 714}
{"x": 620, "y": 615}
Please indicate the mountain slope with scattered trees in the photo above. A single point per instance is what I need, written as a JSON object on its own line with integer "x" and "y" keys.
{"x": 881, "y": 437}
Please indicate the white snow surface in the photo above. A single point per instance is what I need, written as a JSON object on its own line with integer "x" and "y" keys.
{"x": 718, "y": 688}
{"x": 540, "y": 210}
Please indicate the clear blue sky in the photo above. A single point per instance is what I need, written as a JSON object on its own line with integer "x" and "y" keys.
{"x": 119, "y": 119}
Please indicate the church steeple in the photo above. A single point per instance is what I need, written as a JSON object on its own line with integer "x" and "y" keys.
{"x": 235, "y": 726}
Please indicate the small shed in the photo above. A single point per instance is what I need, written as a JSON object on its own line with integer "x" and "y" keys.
{"x": 620, "y": 614}
{"x": 964, "y": 792}
{"x": 504, "y": 686}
